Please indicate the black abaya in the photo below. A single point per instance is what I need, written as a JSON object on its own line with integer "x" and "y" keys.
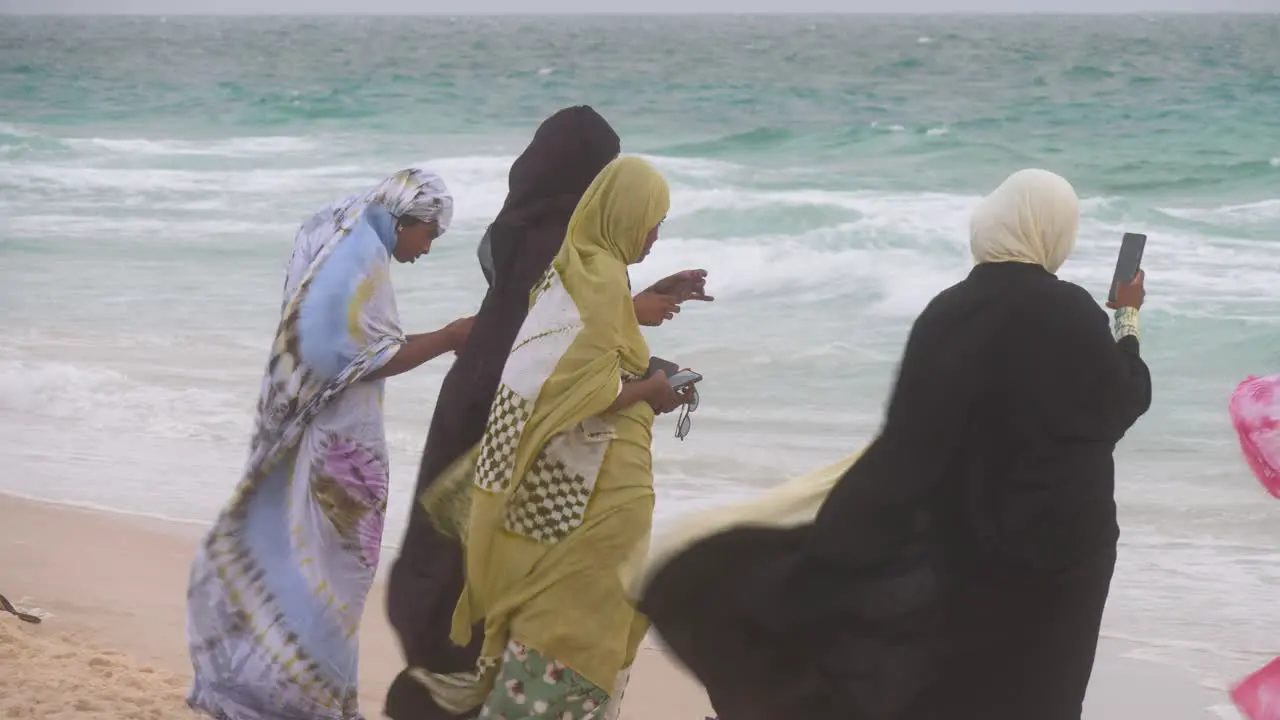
{"x": 960, "y": 567}
{"x": 567, "y": 152}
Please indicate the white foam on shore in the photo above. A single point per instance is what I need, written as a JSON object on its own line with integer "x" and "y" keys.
{"x": 184, "y": 524}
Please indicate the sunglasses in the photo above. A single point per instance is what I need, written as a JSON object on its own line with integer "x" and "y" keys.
{"x": 684, "y": 424}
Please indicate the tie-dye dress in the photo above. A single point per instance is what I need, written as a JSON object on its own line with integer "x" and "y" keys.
{"x": 279, "y": 583}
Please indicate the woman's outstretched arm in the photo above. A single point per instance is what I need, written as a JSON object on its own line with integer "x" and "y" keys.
{"x": 423, "y": 347}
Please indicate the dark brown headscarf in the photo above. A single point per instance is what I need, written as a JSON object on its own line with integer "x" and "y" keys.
{"x": 544, "y": 186}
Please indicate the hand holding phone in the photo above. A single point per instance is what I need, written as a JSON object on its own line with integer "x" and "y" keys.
{"x": 660, "y": 395}
{"x": 1127, "y": 283}
{"x": 1132, "y": 295}
{"x": 668, "y": 392}
{"x": 683, "y": 379}
{"x": 666, "y": 366}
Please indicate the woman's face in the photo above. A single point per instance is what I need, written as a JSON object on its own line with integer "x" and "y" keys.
{"x": 649, "y": 240}
{"x": 414, "y": 238}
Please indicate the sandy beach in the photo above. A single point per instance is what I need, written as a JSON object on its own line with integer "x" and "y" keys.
{"x": 112, "y": 646}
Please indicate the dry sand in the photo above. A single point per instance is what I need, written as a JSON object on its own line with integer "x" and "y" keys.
{"x": 51, "y": 674}
{"x": 112, "y": 645}
{"x": 119, "y": 582}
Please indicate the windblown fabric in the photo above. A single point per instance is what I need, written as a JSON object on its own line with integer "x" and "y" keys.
{"x": 960, "y": 566}
{"x": 279, "y": 583}
{"x": 1255, "y": 413}
{"x": 567, "y": 152}
{"x": 562, "y": 501}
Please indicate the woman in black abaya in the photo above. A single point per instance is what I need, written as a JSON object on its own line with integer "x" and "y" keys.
{"x": 959, "y": 568}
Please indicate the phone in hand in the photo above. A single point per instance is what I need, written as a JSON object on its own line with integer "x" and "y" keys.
{"x": 683, "y": 378}
{"x": 1128, "y": 263}
{"x": 666, "y": 366}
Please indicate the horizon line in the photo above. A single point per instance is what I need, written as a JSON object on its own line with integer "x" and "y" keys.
{"x": 668, "y": 13}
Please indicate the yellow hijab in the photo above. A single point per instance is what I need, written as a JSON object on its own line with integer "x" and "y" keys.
{"x": 511, "y": 571}
{"x": 606, "y": 234}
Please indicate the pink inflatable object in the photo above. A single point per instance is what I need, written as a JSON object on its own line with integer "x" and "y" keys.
{"x": 1258, "y": 696}
{"x": 1255, "y": 412}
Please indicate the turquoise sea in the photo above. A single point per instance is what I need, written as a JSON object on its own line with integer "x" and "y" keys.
{"x": 153, "y": 171}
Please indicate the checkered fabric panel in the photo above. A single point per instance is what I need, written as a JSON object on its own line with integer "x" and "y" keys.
{"x": 549, "y": 503}
{"x": 501, "y": 437}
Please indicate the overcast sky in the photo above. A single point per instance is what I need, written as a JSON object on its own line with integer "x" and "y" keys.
{"x": 360, "y": 7}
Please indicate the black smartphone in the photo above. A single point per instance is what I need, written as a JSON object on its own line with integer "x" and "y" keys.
{"x": 1129, "y": 261}
{"x": 666, "y": 366}
{"x": 683, "y": 378}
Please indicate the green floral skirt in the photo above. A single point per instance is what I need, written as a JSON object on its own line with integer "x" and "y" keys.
{"x": 531, "y": 686}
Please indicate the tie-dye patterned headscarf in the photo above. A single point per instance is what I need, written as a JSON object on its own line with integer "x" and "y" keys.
{"x": 414, "y": 192}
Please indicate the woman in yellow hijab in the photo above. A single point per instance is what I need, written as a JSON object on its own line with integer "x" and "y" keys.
{"x": 561, "y": 503}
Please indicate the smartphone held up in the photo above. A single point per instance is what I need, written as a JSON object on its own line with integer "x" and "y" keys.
{"x": 1128, "y": 263}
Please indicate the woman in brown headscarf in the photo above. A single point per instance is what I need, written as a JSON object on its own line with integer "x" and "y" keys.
{"x": 545, "y": 183}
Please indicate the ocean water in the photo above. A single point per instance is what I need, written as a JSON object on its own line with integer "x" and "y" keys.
{"x": 153, "y": 171}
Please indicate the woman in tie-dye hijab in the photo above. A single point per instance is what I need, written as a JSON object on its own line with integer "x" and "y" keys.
{"x": 279, "y": 583}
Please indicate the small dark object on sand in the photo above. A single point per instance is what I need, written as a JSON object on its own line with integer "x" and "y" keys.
{"x": 9, "y": 608}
